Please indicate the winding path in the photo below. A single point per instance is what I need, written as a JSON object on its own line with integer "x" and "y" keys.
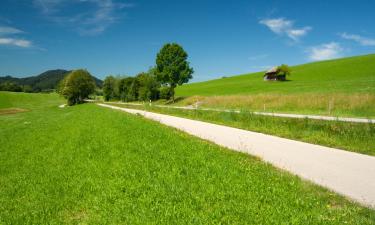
{"x": 350, "y": 174}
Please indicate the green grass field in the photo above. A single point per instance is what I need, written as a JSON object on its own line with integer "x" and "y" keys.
{"x": 342, "y": 87}
{"x": 91, "y": 165}
{"x": 347, "y": 75}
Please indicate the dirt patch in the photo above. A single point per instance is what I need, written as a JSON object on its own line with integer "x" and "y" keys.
{"x": 76, "y": 217}
{"x": 12, "y": 111}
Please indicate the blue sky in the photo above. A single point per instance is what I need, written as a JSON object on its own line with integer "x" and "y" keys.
{"x": 221, "y": 37}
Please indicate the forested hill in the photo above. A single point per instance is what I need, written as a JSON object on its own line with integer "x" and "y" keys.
{"x": 42, "y": 82}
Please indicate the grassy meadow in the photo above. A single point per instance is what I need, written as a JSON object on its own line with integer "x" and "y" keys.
{"x": 91, "y": 165}
{"x": 341, "y": 87}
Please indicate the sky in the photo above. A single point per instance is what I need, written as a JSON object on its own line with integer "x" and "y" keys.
{"x": 222, "y": 38}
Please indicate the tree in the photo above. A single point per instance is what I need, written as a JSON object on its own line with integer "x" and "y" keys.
{"x": 172, "y": 67}
{"x": 148, "y": 86}
{"x": 132, "y": 94}
{"x": 124, "y": 88}
{"x": 283, "y": 71}
{"x": 109, "y": 86}
{"x": 77, "y": 86}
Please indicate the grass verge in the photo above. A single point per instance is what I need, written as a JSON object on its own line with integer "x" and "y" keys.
{"x": 343, "y": 105}
{"x": 353, "y": 137}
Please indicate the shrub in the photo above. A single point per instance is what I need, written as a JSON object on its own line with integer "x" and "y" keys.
{"x": 165, "y": 92}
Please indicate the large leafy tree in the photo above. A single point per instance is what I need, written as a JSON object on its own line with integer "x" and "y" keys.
{"x": 77, "y": 86}
{"x": 172, "y": 67}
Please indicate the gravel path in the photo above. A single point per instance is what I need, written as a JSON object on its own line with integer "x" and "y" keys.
{"x": 350, "y": 174}
{"x": 286, "y": 115}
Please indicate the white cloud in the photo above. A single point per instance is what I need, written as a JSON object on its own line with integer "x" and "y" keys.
{"x": 6, "y": 37}
{"x": 95, "y": 19}
{"x": 359, "y": 39}
{"x": 9, "y": 30}
{"x": 325, "y": 51}
{"x": 16, "y": 42}
{"x": 278, "y": 26}
{"x": 286, "y": 27}
{"x": 295, "y": 34}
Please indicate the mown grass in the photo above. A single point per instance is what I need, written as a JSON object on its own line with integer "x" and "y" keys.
{"x": 355, "y": 137}
{"x": 91, "y": 165}
{"x": 342, "y": 87}
{"x": 29, "y": 101}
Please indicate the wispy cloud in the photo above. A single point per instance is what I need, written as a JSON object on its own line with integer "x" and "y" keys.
{"x": 16, "y": 42}
{"x": 364, "y": 41}
{"x": 295, "y": 34}
{"x": 278, "y": 26}
{"x": 7, "y": 37}
{"x": 325, "y": 51}
{"x": 96, "y": 17}
{"x": 282, "y": 26}
{"x": 9, "y": 30}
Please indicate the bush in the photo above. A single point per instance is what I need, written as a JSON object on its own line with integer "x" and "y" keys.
{"x": 165, "y": 92}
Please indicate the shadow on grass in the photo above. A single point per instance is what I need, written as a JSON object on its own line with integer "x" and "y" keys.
{"x": 178, "y": 99}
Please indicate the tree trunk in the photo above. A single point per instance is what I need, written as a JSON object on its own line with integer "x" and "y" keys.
{"x": 172, "y": 92}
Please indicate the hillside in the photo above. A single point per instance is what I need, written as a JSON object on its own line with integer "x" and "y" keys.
{"x": 42, "y": 82}
{"x": 346, "y": 75}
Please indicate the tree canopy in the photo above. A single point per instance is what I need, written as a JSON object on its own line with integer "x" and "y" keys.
{"x": 77, "y": 86}
{"x": 172, "y": 67}
{"x": 109, "y": 88}
{"x": 284, "y": 70}
{"x": 148, "y": 86}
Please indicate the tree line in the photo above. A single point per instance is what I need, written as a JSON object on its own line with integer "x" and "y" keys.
{"x": 14, "y": 87}
{"x": 10, "y": 86}
{"x": 171, "y": 69}
{"x": 142, "y": 87}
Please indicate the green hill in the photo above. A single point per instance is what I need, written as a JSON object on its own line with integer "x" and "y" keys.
{"x": 42, "y": 82}
{"x": 341, "y": 87}
{"x": 346, "y": 75}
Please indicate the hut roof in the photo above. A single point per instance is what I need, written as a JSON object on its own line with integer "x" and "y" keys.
{"x": 272, "y": 70}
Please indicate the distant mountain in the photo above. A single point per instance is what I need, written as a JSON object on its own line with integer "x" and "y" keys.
{"x": 43, "y": 82}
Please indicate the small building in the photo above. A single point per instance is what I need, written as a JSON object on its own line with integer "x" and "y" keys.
{"x": 273, "y": 74}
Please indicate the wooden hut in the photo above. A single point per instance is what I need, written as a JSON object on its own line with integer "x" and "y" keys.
{"x": 273, "y": 74}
